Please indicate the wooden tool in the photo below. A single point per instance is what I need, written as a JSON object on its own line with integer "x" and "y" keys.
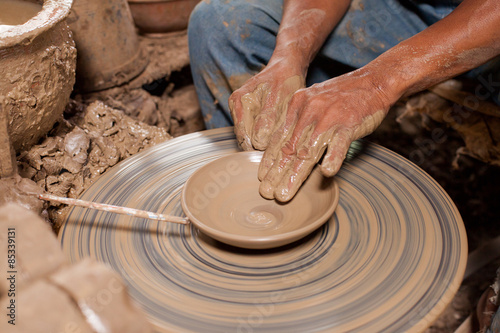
{"x": 114, "y": 209}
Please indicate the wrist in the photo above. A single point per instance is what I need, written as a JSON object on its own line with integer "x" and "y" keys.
{"x": 293, "y": 61}
{"x": 386, "y": 87}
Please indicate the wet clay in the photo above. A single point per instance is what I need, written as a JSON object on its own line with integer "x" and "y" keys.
{"x": 353, "y": 274}
{"x": 480, "y": 132}
{"x": 223, "y": 201}
{"x": 95, "y": 138}
{"x": 87, "y": 280}
{"x": 14, "y": 12}
{"x": 38, "y": 252}
{"x": 53, "y": 294}
{"x": 21, "y": 191}
{"x": 37, "y": 72}
{"x": 46, "y": 308}
{"x": 108, "y": 59}
{"x": 256, "y": 128}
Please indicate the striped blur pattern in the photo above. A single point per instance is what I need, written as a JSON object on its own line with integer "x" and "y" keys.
{"x": 389, "y": 260}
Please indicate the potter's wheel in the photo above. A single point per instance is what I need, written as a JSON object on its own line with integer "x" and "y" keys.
{"x": 389, "y": 260}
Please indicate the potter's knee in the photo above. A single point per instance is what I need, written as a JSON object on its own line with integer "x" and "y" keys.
{"x": 205, "y": 15}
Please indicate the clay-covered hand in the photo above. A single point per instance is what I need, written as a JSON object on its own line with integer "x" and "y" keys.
{"x": 257, "y": 107}
{"x": 326, "y": 116}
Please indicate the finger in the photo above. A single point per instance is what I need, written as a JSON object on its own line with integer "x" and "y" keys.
{"x": 337, "y": 151}
{"x": 309, "y": 151}
{"x": 263, "y": 127}
{"x": 243, "y": 108}
{"x": 293, "y": 178}
{"x": 278, "y": 138}
{"x": 239, "y": 126}
{"x": 275, "y": 174}
{"x": 273, "y": 111}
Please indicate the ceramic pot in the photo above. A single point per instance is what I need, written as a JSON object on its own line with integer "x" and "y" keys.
{"x": 160, "y": 16}
{"x": 37, "y": 72}
{"x": 109, "y": 53}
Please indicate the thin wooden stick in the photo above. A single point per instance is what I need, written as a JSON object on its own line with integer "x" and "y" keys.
{"x": 114, "y": 209}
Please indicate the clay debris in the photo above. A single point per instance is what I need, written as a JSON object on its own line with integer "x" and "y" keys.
{"x": 46, "y": 293}
{"x": 22, "y": 192}
{"x": 176, "y": 110}
{"x": 480, "y": 132}
{"x": 91, "y": 140}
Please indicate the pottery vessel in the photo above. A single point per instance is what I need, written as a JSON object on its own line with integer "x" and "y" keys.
{"x": 109, "y": 53}
{"x": 160, "y": 16}
{"x": 37, "y": 72}
{"x": 222, "y": 200}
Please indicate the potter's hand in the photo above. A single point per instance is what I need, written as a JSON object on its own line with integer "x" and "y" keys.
{"x": 257, "y": 106}
{"x": 325, "y": 116}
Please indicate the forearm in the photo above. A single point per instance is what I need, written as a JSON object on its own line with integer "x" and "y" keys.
{"x": 304, "y": 28}
{"x": 465, "y": 39}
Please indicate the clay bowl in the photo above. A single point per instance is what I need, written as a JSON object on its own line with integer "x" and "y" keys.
{"x": 222, "y": 200}
{"x": 160, "y": 16}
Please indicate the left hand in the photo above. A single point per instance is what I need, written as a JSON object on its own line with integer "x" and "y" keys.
{"x": 327, "y": 116}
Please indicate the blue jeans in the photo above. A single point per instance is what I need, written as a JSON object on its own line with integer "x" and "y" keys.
{"x": 232, "y": 40}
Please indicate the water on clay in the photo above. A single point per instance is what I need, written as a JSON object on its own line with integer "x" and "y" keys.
{"x": 14, "y": 12}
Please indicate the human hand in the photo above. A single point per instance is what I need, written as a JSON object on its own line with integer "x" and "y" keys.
{"x": 326, "y": 116}
{"x": 258, "y": 107}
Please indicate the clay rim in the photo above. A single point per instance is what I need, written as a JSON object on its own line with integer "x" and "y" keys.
{"x": 261, "y": 242}
{"x": 53, "y": 12}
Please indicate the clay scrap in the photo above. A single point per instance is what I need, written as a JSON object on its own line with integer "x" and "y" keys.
{"x": 50, "y": 294}
{"x": 480, "y": 132}
{"x": 37, "y": 251}
{"x": 91, "y": 140}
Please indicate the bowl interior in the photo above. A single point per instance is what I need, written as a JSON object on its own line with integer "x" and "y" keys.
{"x": 222, "y": 199}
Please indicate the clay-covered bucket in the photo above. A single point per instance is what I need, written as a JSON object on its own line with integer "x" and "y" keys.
{"x": 37, "y": 72}
{"x": 109, "y": 53}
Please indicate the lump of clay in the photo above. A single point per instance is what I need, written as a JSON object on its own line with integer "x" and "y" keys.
{"x": 40, "y": 308}
{"x": 102, "y": 297}
{"x": 21, "y": 191}
{"x": 37, "y": 251}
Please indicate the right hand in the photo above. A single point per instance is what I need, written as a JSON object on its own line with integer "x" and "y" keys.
{"x": 259, "y": 106}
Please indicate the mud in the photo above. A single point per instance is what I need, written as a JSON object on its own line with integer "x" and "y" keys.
{"x": 37, "y": 72}
{"x": 17, "y": 12}
{"x": 54, "y": 295}
{"x": 107, "y": 59}
{"x": 480, "y": 132}
{"x": 38, "y": 252}
{"x": 91, "y": 140}
{"x": 21, "y": 191}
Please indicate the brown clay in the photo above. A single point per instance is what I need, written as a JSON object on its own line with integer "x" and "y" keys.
{"x": 37, "y": 72}
{"x": 101, "y": 296}
{"x": 45, "y": 308}
{"x": 20, "y": 191}
{"x": 160, "y": 16}
{"x": 16, "y": 12}
{"x": 38, "y": 252}
{"x": 94, "y": 139}
{"x": 222, "y": 200}
{"x": 108, "y": 59}
{"x": 7, "y": 155}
